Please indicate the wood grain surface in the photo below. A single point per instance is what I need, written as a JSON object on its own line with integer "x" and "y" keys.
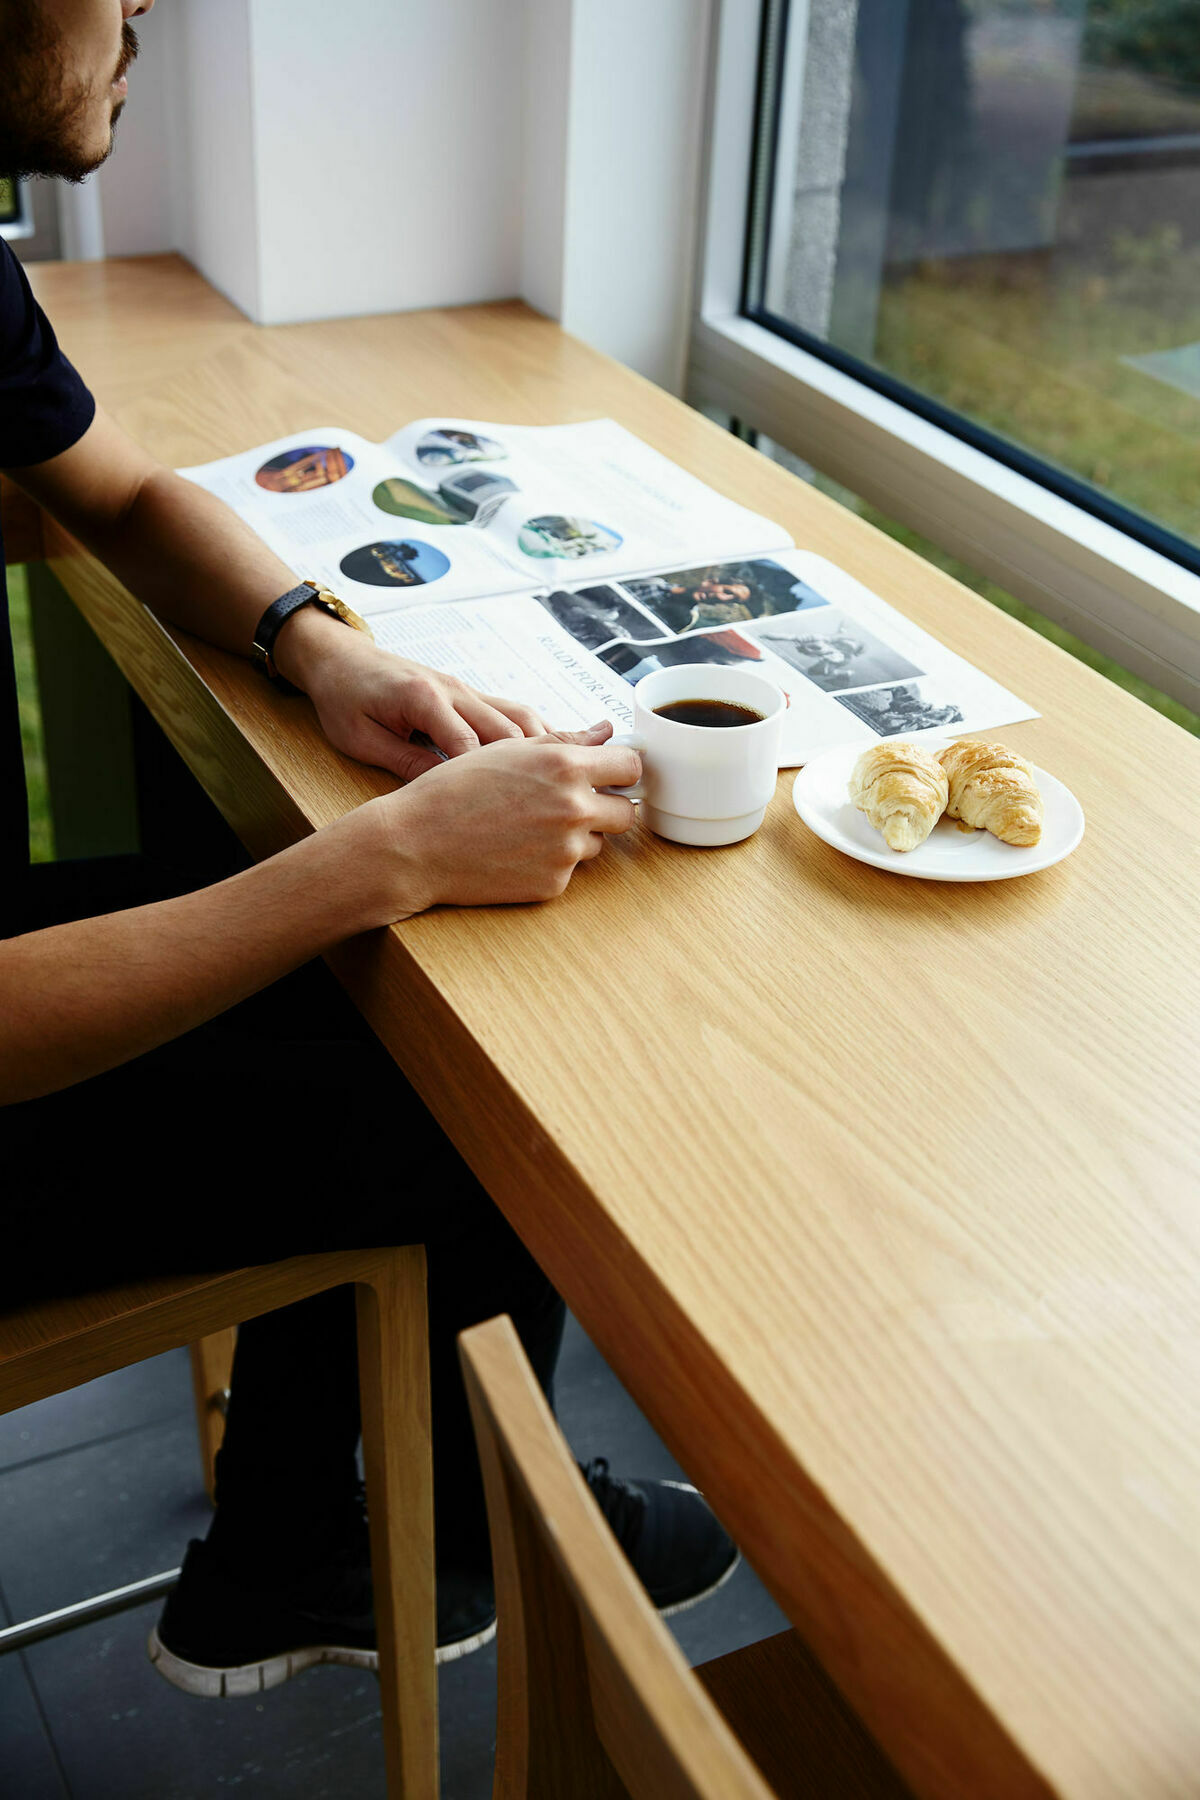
{"x": 595, "y": 1698}
{"x": 879, "y": 1194}
{"x": 211, "y": 1358}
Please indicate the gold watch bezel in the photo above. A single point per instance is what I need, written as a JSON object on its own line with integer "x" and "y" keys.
{"x": 335, "y": 604}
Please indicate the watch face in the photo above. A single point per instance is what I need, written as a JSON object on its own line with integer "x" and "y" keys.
{"x": 333, "y": 603}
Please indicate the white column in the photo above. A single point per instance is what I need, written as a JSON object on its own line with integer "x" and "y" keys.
{"x": 615, "y": 96}
{"x": 80, "y": 221}
{"x": 209, "y": 96}
{"x": 545, "y": 114}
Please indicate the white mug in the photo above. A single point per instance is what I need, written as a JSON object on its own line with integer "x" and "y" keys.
{"x": 705, "y": 784}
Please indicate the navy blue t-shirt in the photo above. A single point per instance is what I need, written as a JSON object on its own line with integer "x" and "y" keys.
{"x": 44, "y": 409}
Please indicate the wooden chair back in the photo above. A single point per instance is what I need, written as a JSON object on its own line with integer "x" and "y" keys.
{"x": 596, "y": 1699}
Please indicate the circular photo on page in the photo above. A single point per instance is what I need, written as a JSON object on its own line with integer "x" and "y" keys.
{"x": 395, "y": 562}
{"x": 405, "y": 500}
{"x": 300, "y": 471}
{"x": 554, "y": 534}
{"x": 448, "y": 444}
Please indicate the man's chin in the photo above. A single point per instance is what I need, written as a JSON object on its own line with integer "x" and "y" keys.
{"x": 68, "y": 146}
{"x": 81, "y": 161}
{"x": 60, "y": 162}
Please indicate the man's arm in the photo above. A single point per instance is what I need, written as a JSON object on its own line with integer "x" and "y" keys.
{"x": 509, "y": 824}
{"x": 189, "y": 557}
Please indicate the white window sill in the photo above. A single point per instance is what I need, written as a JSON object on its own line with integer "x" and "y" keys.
{"x": 1127, "y": 600}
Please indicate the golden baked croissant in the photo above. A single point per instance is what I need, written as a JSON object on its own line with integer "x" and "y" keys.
{"x": 993, "y": 788}
{"x": 902, "y": 789}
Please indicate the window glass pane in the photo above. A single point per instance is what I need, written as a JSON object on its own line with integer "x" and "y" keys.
{"x": 971, "y": 577}
{"x": 997, "y": 202}
{"x": 10, "y": 200}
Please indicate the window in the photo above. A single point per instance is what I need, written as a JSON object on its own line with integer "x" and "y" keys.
{"x": 963, "y": 277}
{"x": 12, "y": 212}
{"x": 29, "y": 217}
{"x": 997, "y": 204}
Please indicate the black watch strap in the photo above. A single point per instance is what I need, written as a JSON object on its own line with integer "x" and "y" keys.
{"x": 276, "y": 615}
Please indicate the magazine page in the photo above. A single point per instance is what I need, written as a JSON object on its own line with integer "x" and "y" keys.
{"x": 854, "y": 669}
{"x": 562, "y": 501}
{"x": 325, "y": 502}
{"x": 298, "y": 490}
{"x": 514, "y": 648}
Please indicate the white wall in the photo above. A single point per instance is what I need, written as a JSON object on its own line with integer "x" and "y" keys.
{"x": 387, "y": 142}
{"x": 637, "y": 107}
{"x": 316, "y": 160}
{"x": 215, "y": 190}
{"x": 545, "y": 117}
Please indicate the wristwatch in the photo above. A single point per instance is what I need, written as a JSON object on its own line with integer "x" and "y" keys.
{"x": 309, "y": 593}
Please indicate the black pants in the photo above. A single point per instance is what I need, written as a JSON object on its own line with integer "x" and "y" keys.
{"x": 281, "y": 1128}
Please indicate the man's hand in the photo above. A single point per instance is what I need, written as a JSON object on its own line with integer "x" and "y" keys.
{"x": 370, "y": 701}
{"x": 510, "y": 823}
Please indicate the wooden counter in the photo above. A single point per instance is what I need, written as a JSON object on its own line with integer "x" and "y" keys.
{"x": 880, "y": 1195}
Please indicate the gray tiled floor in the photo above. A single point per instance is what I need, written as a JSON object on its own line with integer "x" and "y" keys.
{"x": 102, "y": 1485}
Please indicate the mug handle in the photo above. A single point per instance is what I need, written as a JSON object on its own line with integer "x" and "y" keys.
{"x": 638, "y": 790}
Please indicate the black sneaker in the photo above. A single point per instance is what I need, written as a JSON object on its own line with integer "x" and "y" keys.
{"x": 678, "y": 1551}
{"x": 218, "y": 1638}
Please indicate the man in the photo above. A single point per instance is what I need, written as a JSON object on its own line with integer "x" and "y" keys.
{"x": 694, "y": 604}
{"x": 161, "y": 1111}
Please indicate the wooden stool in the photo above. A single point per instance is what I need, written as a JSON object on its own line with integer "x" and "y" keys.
{"x": 59, "y": 1344}
{"x": 596, "y": 1699}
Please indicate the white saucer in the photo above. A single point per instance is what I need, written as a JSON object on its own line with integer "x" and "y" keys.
{"x": 948, "y": 854}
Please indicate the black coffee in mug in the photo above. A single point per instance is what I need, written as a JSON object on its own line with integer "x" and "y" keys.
{"x": 708, "y": 712}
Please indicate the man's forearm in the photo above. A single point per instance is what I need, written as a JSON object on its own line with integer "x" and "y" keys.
{"x": 508, "y": 824}
{"x": 81, "y": 998}
{"x": 197, "y": 565}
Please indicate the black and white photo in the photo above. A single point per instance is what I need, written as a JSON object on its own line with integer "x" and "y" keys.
{"x": 595, "y": 616}
{"x": 835, "y": 651}
{"x": 724, "y": 593}
{"x": 452, "y": 444}
{"x": 889, "y": 711}
{"x": 632, "y": 661}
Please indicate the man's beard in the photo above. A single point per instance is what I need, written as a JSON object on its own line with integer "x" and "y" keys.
{"x": 43, "y": 112}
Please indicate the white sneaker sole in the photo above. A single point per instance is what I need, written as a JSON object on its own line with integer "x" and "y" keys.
{"x": 255, "y": 1678}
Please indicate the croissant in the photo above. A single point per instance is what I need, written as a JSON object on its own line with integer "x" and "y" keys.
{"x": 993, "y": 788}
{"x": 902, "y": 789}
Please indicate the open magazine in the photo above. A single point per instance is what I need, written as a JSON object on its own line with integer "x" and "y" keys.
{"x": 558, "y": 564}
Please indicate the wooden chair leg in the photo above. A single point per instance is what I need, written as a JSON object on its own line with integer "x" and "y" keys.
{"x": 212, "y": 1365}
{"x": 393, "y": 1359}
